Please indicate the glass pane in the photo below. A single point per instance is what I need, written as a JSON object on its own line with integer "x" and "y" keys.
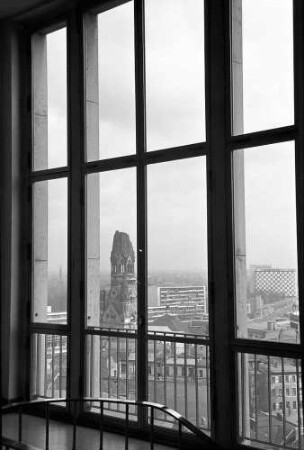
{"x": 175, "y": 73}
{"x": 270, "y": 402}
{"x": 111, "y": 372}
{"x": 179, "y": 376}
{"x": 50, "y": 243}
{"x": 49, "y": 60}
{"x": 177, "y": 247}
{"x": 262, "y": 64}
{"x": 48, "y": 366}
{"x": 266, "y": 243}
{"x": 110, "y": 83}
{"x": 111, "y": 249}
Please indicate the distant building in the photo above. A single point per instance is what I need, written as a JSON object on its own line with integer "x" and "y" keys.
{"x": 275, "y": 398}
{"x": 119, "y": 308}
{"x": 182, "y": 295}
{"x": 275, "y": 281}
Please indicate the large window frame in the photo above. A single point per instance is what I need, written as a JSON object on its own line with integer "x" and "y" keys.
{"x": 218, "y": 149}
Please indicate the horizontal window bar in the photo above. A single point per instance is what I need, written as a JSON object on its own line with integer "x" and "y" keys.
{"x": 263, "y": 138}
{"x": 49, "y": 174}
{"x": 170, "y": 154}
{"x": 157, "y": 156}
{"x": 49, "y": 328}
{"x": 268, "y": 348}
{"x": 111, "y": 332}
{"x": 172, "y": 337}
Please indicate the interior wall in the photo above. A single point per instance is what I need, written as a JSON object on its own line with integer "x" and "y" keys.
{"x": 12, "y": 195}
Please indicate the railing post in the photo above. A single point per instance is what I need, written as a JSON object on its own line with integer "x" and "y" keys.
{"x": 47, "y": 429}
{"x": 180, "y": 435}
{"x": 101, "y": 427}
{"x": 20, "y": 424}
{"x": 152, "y": 429}
{"x": 74, "y": 425}
{"x": 127, "y": 427}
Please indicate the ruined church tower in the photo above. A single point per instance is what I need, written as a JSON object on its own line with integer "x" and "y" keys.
{"x": 120, "y": 307}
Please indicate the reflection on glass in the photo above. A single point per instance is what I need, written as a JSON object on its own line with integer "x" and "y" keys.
{"x": 178, "y": 376}
{"x": 111, "y": 249}
{"x": 270, "y": 396}
{"x": 49, "y": 60}
{"x": 111, "y": 372}
{"x": 262, "y": 64}
{"x": 50, "y": 244}
{"x": 48, "y": 366}
{"x": 175, "y": 72}
{"x": 177, "y": 247}
{"x": 265, "y": 243}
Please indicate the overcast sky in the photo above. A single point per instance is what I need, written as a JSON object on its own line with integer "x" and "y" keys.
{"x": 175, "y": 116}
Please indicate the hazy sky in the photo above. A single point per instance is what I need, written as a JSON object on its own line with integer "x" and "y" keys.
{"x": 175, "y": 116}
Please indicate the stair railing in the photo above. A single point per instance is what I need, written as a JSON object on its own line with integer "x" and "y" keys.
{"x": 150, "y": 407}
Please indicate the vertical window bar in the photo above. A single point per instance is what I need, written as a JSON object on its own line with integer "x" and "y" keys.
{"x": 283, "y": 400}
{"x": 38, "y": 366}
{"x": 255, "y": 397}
{"x": 196, "y": 386}
{"x": 100, "y": 365}
{"x": 60, "y": 366}
{"x": 53, "y": 366}
{"x": 299, "y": 403}
{"x": 165, "y": 373}
{"x": 127, "y": 367}
{"x": 269, "y": 399}
{"x": 185, "y": 380}
{"x": 207, "y": 384}
{"x": 139, "y": 34}
{"x": 109, "y": 374}
{"x": 242, "y": 374}
{"x": 155, "y": 369}
{"x": 91, "y": 365}
{"x": 117, "y": 370}
{"x": 175, "y": 376}
{"x": 45, "y": 364}
{"x": 298, "y": 24}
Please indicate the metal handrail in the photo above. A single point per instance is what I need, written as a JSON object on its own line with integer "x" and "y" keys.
{"x": 207, "y": 442}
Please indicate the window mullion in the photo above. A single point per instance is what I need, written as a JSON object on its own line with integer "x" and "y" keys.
{"x": 142, "y": 353}
{"x": 219, "y": 229}
{"x": 76, "y": 241}
{"x": 298, "y": 21}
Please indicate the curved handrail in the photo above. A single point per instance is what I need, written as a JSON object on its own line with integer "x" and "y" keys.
{"x": 182, "y": 421}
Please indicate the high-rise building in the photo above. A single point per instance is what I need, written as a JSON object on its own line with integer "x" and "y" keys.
{"x": 183, "y": 295}
{"x": 275, "y": 281}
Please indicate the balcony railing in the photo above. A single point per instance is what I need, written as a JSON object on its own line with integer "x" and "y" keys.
{"x": 271, "y": 402}
{"x": 178, "y": 371}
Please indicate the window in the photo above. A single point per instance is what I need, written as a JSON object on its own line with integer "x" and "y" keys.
{"x": 146, "y": 204}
